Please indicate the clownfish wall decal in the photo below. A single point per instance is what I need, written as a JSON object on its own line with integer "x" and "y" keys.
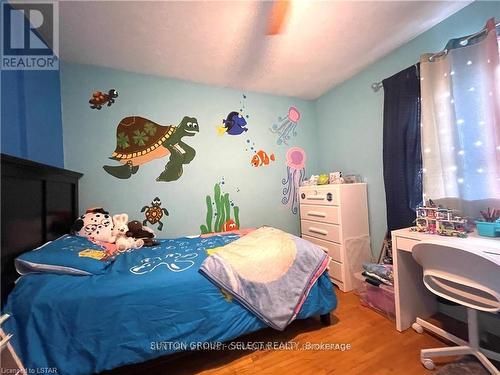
{"x": 262, "y": 158}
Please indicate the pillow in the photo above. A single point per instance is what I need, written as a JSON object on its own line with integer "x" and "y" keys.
{"x": 68, "y": 254}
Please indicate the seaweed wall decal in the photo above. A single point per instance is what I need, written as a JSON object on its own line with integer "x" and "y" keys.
{"x": 221, "y": 218}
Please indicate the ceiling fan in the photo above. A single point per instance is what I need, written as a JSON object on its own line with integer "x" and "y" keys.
{"x": 278, "y": 17}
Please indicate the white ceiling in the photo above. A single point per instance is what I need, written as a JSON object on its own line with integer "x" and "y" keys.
{"x": 224, "y": 43}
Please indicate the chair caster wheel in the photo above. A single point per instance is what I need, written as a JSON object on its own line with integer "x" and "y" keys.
{"x": 417, "y": 328}
{"x": 428, "y": 363}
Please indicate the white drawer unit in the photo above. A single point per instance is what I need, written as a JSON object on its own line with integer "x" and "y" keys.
{"x": 318, "y": 195}
{"x": 334, "y": 217}
{"x": 331, "y": 248}
{"x": 323, "y": 231}
{"x": 327, "y": 214}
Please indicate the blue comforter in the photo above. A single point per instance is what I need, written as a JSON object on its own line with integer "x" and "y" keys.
{"x": 147, "y": 303}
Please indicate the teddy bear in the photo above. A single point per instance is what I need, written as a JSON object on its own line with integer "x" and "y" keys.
{"x": 137, "y": 230}
{"x": 120, "y": 230}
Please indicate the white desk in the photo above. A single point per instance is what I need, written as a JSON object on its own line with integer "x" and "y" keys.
{"x": 411, "y": 296}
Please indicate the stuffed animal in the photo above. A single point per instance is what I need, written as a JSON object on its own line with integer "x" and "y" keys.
{"x": 336, "y": 178}
{"x": 123, "y": 240}
{"x": 98, "y": 226}
{"x": 137, "y": 230}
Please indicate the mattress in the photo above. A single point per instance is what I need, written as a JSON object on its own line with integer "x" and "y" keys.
{"x": 150, "y": 302}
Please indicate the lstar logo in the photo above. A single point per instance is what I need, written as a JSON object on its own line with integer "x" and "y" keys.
{"x": 30, "y": 35}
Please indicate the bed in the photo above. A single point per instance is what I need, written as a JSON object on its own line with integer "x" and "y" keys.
{"x": 136, "y": 311}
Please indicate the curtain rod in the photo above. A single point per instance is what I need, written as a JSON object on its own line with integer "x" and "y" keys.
{"x": 376, "y": 86}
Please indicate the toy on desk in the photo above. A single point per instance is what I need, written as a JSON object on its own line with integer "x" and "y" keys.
{"x": 351, "y": 179}
{"x": 490, "y": 226}
{"x": 323, "y": 179}
{"x": 435, "y": 219}
{"x": 313, "y": 180}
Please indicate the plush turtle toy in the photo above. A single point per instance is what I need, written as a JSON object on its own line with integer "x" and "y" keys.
{"x": 139, "y": 140}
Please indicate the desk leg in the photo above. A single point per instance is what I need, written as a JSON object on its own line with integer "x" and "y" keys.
{"x": 411, "y": 296}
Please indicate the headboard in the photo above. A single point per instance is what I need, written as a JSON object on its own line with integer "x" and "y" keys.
{"x": 39, "y": 204}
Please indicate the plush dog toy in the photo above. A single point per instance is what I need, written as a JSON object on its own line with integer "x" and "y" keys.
{"x": 98, "y": 226}
{"x": 137, "y": 230}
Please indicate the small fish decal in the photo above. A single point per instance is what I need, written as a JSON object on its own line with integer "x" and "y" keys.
{"x": 261, "y": 158}
{"x": 234, "y": 124}
{"x": 229, "y": 225}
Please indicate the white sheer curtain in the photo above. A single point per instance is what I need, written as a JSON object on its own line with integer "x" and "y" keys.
{"x": 460, "y": 92}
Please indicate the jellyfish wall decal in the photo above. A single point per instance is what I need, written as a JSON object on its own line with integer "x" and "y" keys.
{"x": 286, "y": 126}
{"x": 295, "y": 161}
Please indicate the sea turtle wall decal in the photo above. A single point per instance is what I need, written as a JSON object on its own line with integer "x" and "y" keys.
{"x": 154, "y": 213}
{"x": 139, "y": 140}
{"x": 99, "y": 99}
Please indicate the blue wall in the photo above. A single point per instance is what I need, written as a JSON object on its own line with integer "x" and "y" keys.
{"x": 31, "y": 116}
{"x": 350, "y": 116}
{"x": 342, "y": 130}
{"x": 90, "y": 138}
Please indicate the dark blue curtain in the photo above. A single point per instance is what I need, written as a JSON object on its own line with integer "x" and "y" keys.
{"x": 402, "y": 153}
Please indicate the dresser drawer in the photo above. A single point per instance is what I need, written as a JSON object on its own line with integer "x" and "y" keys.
{"x": 328, "y": 195}
{"x": 335, "y": 270}
{"x": 332, "y": 249}
{"x": 328, "y": 232}
{"x": 325, "y": 214}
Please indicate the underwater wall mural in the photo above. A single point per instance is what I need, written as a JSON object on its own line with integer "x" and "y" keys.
{"x": 139, "y": 140}
{"x": 295, "y": 166}
{"x": 261, "y": 158}
{"x": 234, "y": 124}
{"x": 236, "y": 121}
{"x": 154, "y": 213}
{"x": 99, "y": 99}
{"x": 221, "y": 217}
{"x": 286, "y": 126}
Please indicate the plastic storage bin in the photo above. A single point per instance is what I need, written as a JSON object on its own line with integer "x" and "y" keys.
{"x": 380, "y": 298}
{"x": 488, "y": 229}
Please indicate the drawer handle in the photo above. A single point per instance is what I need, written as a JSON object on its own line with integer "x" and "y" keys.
{"x": 316, "y": 197}
{"x": 318, "y": 231}
{"x": 316, "y": 214}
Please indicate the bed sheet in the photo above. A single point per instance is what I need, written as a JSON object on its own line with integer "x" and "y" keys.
{"x": 148, "y": 302}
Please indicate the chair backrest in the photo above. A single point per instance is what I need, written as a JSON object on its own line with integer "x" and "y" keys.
{"x": 465, "y": 276}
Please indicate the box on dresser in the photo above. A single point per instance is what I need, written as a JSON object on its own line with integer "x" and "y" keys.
{"x": 335, "y": 217}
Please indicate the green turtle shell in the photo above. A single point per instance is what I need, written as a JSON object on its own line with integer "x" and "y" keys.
{"x": 137, "y": 136}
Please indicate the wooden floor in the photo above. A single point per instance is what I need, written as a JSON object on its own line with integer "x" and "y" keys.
{"x": 377, "y": 348}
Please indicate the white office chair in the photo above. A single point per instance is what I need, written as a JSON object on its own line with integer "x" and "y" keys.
{"x": 469, "y": 277}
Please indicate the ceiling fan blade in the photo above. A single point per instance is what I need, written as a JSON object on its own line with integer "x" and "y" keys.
{"x": 279, "y": 12}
